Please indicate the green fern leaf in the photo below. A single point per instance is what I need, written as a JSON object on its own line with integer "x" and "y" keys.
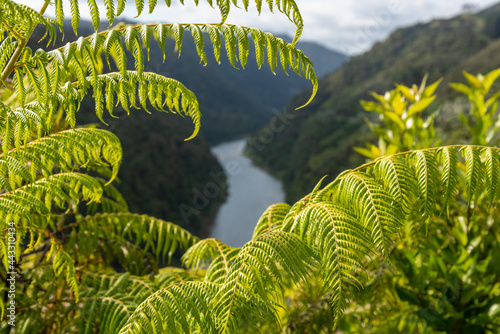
{"x": 340, "y": 241}
{"x": 397, "y": 176}
{"x": 75, "y": 15}
{"x": 372, "y": 203}
{"x": 254, "y": 275}
{"x": 158, "y": 235}
{"x": 492, "y": 163}
{"x": 449, "y": 176}
{"x": 271, "y": 219}
{"x": 180, "y": 308}
{"x": 474, "y": 170}
{"x": 64, "y": 263}
{"x": 427, "y": 180}
{"x": 214, "y": 253}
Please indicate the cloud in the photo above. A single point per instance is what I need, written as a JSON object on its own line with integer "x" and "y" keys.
{"x": 348, "y": 26}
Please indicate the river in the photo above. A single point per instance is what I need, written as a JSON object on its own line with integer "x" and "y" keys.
{"x": 250, "y": 191}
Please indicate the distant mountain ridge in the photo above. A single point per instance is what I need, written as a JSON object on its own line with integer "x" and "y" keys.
{"x": 319, "y": 140}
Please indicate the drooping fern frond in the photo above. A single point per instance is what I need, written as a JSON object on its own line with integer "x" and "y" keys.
{"x": 37, "y": 197}
{"x": 214, "y": 253}
{"x": 20, "y": 20}
{"x": 427, "y": 175}
{"x": 179, "y": 308}
{"x": 449, "y": 175}
{"x": 83, "y": 58}
{"x": 254, "y": 281}
{"x": 492, "y": 164}
{"x": 474, "y": 170}
{"x": 163, "y": 238}
{"x": 114, "y": 9}
{"x": 271, "y": 219}
{"x": 109, "y": 300}
{"x": 64, "y": 263}
{"x": 340, "y": 240}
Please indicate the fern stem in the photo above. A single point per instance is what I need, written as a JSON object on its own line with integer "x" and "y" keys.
{"x": 22, "y": 43}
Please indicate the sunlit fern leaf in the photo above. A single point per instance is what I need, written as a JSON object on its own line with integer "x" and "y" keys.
{"x": 428, "y": 178}
{"x": 158, "y": 235}
{"x": 23, "y": 19}
{"x": 474, "y": 173}
{"x": 258, "y": 39}
{"x": 109, "y": 299}
{"x": 204, "y": 252}
{"x": 492, "y": 164}
{"x": 84, "y": 56}
{"x": 363, "y": 195}
{"x": 75, "y": 15}
{"x": 212, "y": 253}
{"x": 340, "y": 242}
{"x": 449, "y": 174}
{"x": 271, "y": 219}
{"x": 64, "y": 150}
{"x": 112, "y": 200}
{"x": 7, "y": 48}
{"x": 399, "y": 179}
{"x": 64, "y": 263}
{"x": 171, "y": 275}
{"x": 110, "y": 11}
{"x": 116, "y": 88}
{"x": 37, "y": 197}
{"x": 179, "y": 308}
{"x": 255, "y": 275}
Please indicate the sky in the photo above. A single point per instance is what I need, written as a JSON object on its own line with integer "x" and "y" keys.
{"x": 351, "y": 27}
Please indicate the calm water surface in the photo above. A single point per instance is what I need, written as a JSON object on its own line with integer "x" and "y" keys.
{"x": 251, "y": 190}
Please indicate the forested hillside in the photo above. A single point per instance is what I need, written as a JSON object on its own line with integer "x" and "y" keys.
{"x": 320, "y": 139}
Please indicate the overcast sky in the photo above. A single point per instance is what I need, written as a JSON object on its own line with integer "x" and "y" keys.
{"x": 349, "y": 26}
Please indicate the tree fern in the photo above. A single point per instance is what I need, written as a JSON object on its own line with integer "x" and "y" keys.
{"x": 70, "y": 252}
{"x": 328, "y": 223}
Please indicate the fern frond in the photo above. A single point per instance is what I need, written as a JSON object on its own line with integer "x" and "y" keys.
{"x": 449, "y": 176}
{"x": 492, "y": 163}
{"x": 398, "y": 178}
{"x": 64, "y": 263}
{"x": 271, "y": 219}
{"x": 179, "y": 308}
{"x": 110, "y": 299}
{"x": 214, "y": 253}
{"x": 255, "y": 276}
{"x": 37, "y": 197}
{"x": 427, "y": 175}
{"x": 84, "y": 56}
{"x": 64, "y": 150}
{"x": 158, "y": 235}
{"x": 340, "y": 242}
{"x": 22, "y": 19}
{"x": 372, "y": 203}
{"x": 474, "y": 172}
{"x": 7, "y": 47}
